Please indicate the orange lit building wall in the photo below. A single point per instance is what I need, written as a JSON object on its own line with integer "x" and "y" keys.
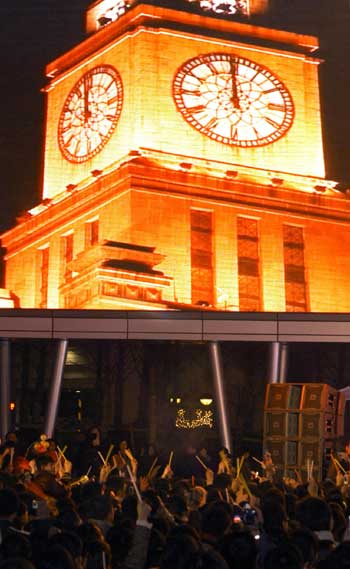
{"x": 156, "y": 168}
{"x": 161, "y": 219}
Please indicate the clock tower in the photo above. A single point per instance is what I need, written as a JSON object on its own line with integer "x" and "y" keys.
{"x": 201, "y": 78}
{"x": 183, "y": 168}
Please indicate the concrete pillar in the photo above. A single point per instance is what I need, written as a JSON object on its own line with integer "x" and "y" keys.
{"x": 283, "y": 367}
{"x": 278, "y": 362}
{"x": 274, "y": 363}
{"x": 55, "y": 389}
{"x": 220, "y": 396}
{"x": 4, "y": 387}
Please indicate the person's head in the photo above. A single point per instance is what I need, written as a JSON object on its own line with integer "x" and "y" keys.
{"x": 15, "y": 545}
{"x": 120, "y": 538}
{"x": 100, "y": 508}
{"x": 22, "y": 517}
{"x": 156, "y": 547}
{"x": 197, "y": 498}
{"x": 339, "y": 521}
{"x": 239, "y": 549}
{"x": 314, "y": 513}
{"x": 11, "y": 439}
{"x": 307, "y": 543}
{"x": 55, "y": 557}
{"x": 178, "y": 552}
{"x": 290, "y": 502}
{"x": 217, "y": 520}
{"x": 116, "y": 487}
{"x": 129, "y": 508}
{"x": 47, "y": 481}
{"x": 339, "y": 558}
{"x": 98, "y": 555}
{"x": 21, "y": 465}
{"x": 210, "y": 559}
{"x": 88, "y": 533}
{"x": 178, "y": 507}
{"x": 275, "y": 518}
{"x": 94, "y": 436}
{"x": 203, "y": 451}
{"x": 222, "y": 481}
{"x": 180, "y": 530}
{"x": 90, "y": 490}
{"x": 284, "y": 556}
{"x": 16, "y": 563}
{"x": 72, "y": 543}
{"x": 9, "y": 503}
{"x": 45, "y": 463}
{"x": 123, "y": 445}
{"x": 273, "y": 496}
{"x": 52, "y": 445}
{"x": 223, "y": 453}
{"x": 151, "y": 451}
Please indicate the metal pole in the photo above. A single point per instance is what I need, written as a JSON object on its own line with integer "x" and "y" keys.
{"x": 220, "y": 396}
{"x": 55, "y": 390}
{"x": 282, "y": 375}
{"x": 4, "y": 386}
{"x": 274, "y": 364}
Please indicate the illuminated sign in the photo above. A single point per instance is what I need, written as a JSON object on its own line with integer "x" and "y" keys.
{"x": 225, "y": 7}
{"x": 199, "y": 418}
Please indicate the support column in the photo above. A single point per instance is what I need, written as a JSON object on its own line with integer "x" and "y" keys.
{"x": 274, "y": 363}
{"x": 282, "y": 375}
{"x": 55, "y": 389}
{"x": 220, "y": 395}
{"x": 4, "y": 387}
{"x": 278, "y": 362}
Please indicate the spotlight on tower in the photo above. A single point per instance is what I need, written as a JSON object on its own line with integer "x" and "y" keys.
{"x": 96, "y": 173}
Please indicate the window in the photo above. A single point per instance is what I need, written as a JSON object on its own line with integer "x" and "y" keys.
{"x": 249, "y": 285}
{"x": 44, "y": 276}
{"x": 67, "y": 255}
{"x": 201, "y": 258}
{"x": 294, "y": 269}
{"x": 91, "y": 233}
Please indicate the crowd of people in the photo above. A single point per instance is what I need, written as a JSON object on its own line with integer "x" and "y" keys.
{"x": 99, "y": 507}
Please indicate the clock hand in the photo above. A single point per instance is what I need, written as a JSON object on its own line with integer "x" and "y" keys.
{"x": 86, "y": 102}
{"x": 235, "y": 97}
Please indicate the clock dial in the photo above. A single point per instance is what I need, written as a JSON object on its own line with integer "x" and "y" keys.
{"x": 233, "y": 100}
{"x": 90, "y": 113}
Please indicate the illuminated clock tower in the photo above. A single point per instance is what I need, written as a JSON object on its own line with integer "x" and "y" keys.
{"x": 183, "y": 168}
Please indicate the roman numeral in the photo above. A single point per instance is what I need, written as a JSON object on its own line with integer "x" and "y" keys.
{"x": 197, "y": 109}
{"x": 234, "y": 132}
{"x": 213, "y": 123}
{"x": 272, "y": 90}
{"x": 212, "y": 67}
{"x": 195, "y": 92}
{"x": 275, "y": 107}
{"x": 272, "y": 122}
{"x": 112, "y": 100}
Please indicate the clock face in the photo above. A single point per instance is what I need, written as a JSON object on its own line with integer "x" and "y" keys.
{"x": 90, "y": 113}
{"x": 233, "y": 100}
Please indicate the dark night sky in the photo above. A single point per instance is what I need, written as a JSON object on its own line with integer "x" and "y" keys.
{"x": 33, "y": 32}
